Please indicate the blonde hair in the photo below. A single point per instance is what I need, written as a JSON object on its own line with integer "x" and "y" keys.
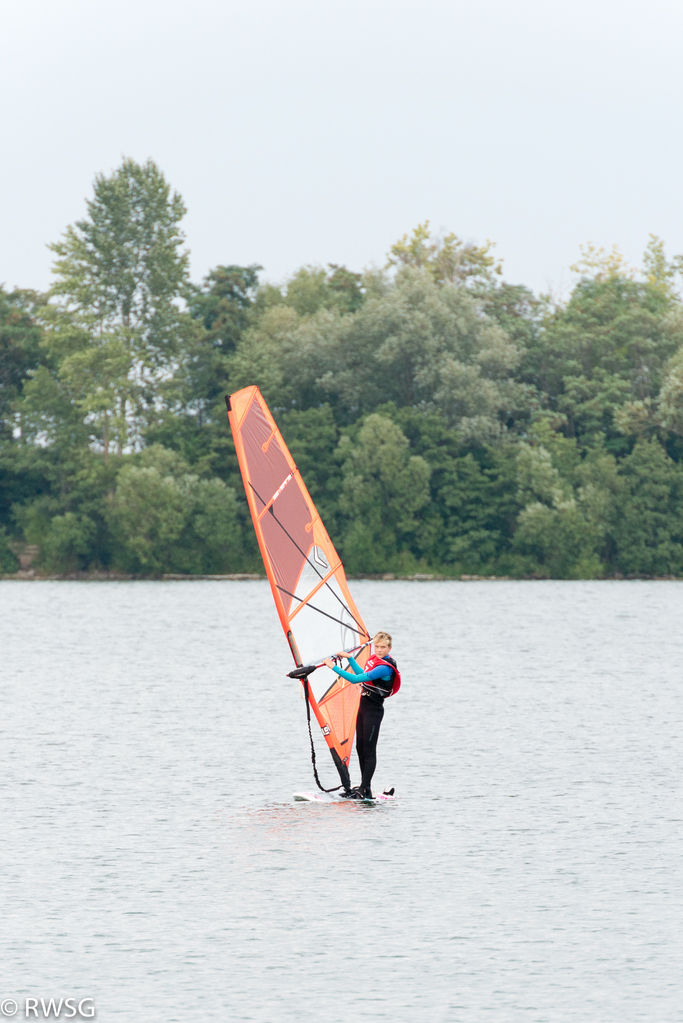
{"x": 382, "y": 635}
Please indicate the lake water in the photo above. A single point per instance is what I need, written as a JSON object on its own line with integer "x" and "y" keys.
{"x": 530, "y": 870}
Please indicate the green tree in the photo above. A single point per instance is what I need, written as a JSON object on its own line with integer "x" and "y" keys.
{"x": 422, "y": 342}
{"x": 560, "y": 539}
{"x": 20, "y": 353}
{"x": 192, "y": 418}
{"x": 469, "y": 521}
{"x": 290, "y": 356}
{"x": 8, "y": 559}
{"x": 116, "y": 326}
{"x": 349, "y": 288}
{"x": 64, "y": 511}
{"x": 221, "y": 305}
{"x": 648, "y": 524}
{"x": 479, "y": 502}
{"x": 383, "y": 490}
{"x": 660, "y": 272}
{"x": 309, "y": 290}
{"x": 166, "y": 519}
{"x": 607, "y": 346}
{"x": 553, "y": 527}
{"x": 313, "y": 288}
{"x": 67, "y": 543}
{"x": 670, "y": 398}
{"x": 517, "y": 310}
{"x": 417, "y": 342}
{"x": 447, "y": 259}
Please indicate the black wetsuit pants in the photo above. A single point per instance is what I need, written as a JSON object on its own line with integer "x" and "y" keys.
{"x": 370, "y": 714}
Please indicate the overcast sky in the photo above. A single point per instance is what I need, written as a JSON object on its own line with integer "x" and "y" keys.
{"x": 307, "y": 131}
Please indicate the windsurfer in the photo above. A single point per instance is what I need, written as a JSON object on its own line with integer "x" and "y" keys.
{"x": 379, "y": 679}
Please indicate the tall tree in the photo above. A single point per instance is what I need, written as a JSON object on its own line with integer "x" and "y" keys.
{"x": 116, "y": 325}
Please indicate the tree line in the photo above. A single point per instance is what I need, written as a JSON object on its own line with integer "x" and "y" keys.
{"x": 443, "y": 419}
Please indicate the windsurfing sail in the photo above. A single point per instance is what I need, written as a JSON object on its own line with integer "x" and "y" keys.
{"x": 317, "y": 612}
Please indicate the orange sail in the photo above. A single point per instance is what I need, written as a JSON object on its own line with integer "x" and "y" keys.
{"x": 317, "y": 612}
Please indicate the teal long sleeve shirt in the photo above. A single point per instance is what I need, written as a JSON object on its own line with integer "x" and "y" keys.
{"x": 358, "y": 675}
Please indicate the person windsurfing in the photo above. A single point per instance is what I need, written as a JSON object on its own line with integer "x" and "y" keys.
{"x": 379, "y": 679}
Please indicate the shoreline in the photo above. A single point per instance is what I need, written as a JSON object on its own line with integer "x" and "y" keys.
{"x": 422, "y": 577}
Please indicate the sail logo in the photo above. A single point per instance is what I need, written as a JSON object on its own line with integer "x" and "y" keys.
{"x": 326, "y": 729}
{"x": 280, "y": 488}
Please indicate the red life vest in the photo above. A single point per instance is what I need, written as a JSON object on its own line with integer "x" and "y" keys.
{"x": 374, "y": 662}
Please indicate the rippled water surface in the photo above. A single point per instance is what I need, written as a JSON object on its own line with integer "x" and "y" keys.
{"x": 530, "y": 870}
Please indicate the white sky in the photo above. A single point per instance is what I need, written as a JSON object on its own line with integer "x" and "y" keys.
{"x": 307, "y": 131}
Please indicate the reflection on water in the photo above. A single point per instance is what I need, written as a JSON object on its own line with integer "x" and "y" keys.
{"x": 529, "y": 869}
